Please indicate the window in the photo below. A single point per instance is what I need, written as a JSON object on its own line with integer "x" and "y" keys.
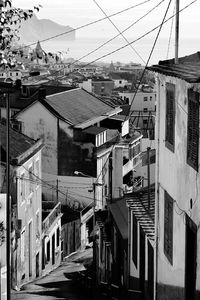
{"x": 37, "y": 221}
{"x": 48, "y": 251}
{"x": 22, "y": 187}
{"x": 37, "y": 168}
{"x": 31, "y": 179}
{"x": 170, "y": 116}
{"x": 134, "y": 241}
{"x": 150, "y": 98}
{"x": 168, "y": 227}
{"x": 145, "y": 109}
{"x": 58, "y": 237}
{"x": 22, "y": 246}
{"x": 145, "y": 98}
{"x": 193, "y": 129}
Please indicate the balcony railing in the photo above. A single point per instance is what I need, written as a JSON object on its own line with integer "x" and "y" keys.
{"x": 48, "y": 221}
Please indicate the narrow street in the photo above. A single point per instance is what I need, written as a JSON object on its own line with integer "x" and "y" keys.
{"x": 54, "y": 285}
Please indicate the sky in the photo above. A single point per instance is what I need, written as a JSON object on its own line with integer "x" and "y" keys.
{"x": 76, "y": 13}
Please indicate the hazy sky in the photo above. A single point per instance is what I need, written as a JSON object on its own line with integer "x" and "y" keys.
{"x": 79, "y": 12}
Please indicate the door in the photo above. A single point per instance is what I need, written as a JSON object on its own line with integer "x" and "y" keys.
{"x": 37, "y": 264}
{"x": 150, "y": 270}
{"x": 142, "y": 262}
{"x": 53, "y": 249}
{"x": 190, "y": 259}
{"x": 30, "y": 248}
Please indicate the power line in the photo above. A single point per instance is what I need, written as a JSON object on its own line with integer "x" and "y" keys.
{"x": 141, "y": 77}
{"x": 108, "y": 41}
{"x": 132, "y": 42}
{"x": 85, "y": 25}
{"x": 121, "y": 33}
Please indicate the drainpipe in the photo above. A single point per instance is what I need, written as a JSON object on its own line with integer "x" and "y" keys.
{"x": 157, "y": 137}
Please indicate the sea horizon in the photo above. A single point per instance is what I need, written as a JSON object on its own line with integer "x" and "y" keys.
{"x": 81, "y": 46}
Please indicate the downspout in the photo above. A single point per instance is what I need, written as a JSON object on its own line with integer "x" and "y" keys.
{"x": 157, "y": 137}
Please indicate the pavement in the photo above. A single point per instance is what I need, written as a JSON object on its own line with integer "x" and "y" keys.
{"x": 58, "y": 284}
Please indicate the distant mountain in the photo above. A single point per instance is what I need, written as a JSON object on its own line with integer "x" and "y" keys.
{"x": 35, "y": 29}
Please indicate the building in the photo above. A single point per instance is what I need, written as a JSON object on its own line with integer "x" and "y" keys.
{"x": 119, "y": 81}
{"x": 98, "y": 85}
{"x": 144, "y": 100}
{"x": 26, "y": 198}
{"x": 177, "y": 274}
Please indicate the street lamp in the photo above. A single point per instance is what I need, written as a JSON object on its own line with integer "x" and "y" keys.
{"x": 94, "y": 223}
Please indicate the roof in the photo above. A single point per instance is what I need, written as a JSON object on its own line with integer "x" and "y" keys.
{"x": 94, "y": 130}
{"x": 77, "y": 106}
{"x": 19, "y": 143}
{"x": 138, "y": 203}
{"x": 187, "y": 68}
{"x": 119, "y": 212}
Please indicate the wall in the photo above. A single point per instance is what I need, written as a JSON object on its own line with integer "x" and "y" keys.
{"x": 38, "y": 122}
{"x": 182, "y": 183}
{"x": 29, "y": 209}
{"x": 72, "y": 155}
{"x": 86, "y": 85}
{"x": 103, "y": 87}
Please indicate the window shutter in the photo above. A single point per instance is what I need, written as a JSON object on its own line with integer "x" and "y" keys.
{"x": 193, "y": 129}
{"x": 170, "y": 114}
{"x": 168, "y": 227}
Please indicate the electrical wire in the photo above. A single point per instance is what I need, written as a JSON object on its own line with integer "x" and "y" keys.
{"x": 120, "y": 32}
{"x": 132, "y": 42}
{"x": 108, "y": 41}
{"x": 85, "y": 25}
{"x": 151, "y": 52}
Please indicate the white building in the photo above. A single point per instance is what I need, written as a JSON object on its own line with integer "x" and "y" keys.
{"x": 177, "y": 243}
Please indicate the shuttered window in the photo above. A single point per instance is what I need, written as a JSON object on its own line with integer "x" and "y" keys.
{"x": 168, "y": 227}
{"x": 170, "y": 116}
{"x": 193, "y": 129}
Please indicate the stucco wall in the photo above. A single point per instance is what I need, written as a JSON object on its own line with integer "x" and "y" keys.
{"x": 72, "y": 155}
{"x": 38, "y": 122}
{"x": 182, "y": 183}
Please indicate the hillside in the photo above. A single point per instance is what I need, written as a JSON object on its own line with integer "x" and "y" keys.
{"x": 38, "y": 29}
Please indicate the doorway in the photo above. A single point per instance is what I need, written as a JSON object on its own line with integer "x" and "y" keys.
{"x": 142, "y": 263}
{"x": 190, "y": 259}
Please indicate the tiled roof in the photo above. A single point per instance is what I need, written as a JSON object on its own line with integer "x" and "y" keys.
{"x": 77, "y": 106}
{"x": 188, "y": 68}
{"x": 138, "y": 203}
{"x": 19, "y": 143}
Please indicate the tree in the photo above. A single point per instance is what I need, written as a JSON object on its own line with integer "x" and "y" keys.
{"x": 10, "y": 19}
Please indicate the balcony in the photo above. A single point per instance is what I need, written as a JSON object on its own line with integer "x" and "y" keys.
{"x": 131, "y": 164}
{"x": 51, "y": 217}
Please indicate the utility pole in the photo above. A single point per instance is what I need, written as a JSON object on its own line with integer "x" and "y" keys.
{"x": 177, "y": 32}
{"x": 148, "y": 177}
